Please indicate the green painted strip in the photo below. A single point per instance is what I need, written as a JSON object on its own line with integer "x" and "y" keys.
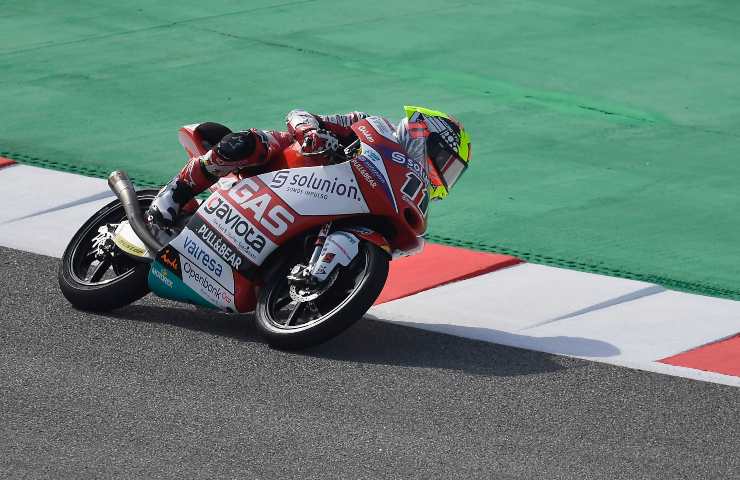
{"x": 532, "y": 257}
{"x": 605, "y": 134}
{"x": 99, "y": 172}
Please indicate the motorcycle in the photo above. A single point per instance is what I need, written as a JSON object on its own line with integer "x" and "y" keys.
{"x": 306, "y": 247}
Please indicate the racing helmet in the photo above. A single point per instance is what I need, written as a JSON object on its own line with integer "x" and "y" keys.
{"x": 438, "y": 141}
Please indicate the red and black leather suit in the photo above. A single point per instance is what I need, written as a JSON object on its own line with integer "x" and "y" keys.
{"x": 249, "y": 152}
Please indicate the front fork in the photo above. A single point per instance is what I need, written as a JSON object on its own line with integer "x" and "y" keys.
{"x": 318, "y": 246}
{"x": 330, "y": 251}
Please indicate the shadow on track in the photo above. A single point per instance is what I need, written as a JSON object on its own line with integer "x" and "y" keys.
{"x": 560, "y": 344}
{"x": 374, "y": 342}
{"x": 240, "y": 327}
{"x": 367, "y": 342}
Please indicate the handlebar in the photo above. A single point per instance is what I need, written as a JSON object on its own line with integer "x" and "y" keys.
{"x": 316, "y": 154}
{"x": 335, "y": 155}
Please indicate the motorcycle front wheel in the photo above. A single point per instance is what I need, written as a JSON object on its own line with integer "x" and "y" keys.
{"x": 293, "y": 320}
{"x": 94, "y": 274}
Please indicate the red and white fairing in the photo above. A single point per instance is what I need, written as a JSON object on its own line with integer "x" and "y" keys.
{"x": 236, "y": 230}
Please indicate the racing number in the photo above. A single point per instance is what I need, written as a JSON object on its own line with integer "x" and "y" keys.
{"x": 411, "y": 189}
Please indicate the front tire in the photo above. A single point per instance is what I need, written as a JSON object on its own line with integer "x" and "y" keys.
{"x": 288, "y": 324}
{"x": 99, "y": 282}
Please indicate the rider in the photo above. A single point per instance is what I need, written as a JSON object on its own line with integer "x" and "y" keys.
{"x": 432, "y": 138}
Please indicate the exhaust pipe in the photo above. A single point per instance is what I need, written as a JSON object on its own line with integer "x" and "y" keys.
{"x": 121, "y": 185}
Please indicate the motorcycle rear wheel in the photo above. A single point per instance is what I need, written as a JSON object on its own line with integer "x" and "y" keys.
{"x": 103, "y": 282}
{"x": 291, "y": 325}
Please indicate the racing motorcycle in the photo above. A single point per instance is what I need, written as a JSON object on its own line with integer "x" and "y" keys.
{"x": 305, "y": 247}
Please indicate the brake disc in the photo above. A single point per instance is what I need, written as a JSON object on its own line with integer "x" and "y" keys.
{"x": 307, "y": 293}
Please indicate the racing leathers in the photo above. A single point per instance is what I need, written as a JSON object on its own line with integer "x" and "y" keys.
{"x": 248, "y": 152}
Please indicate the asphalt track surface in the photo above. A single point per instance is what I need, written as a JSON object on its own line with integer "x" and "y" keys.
{"x": 161, "y": 390}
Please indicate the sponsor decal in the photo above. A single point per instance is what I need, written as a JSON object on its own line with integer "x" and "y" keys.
{"x": 315, "y": 186}
{"x": 274, "y": 218}
{"x": 198, "y": 253}
{"x": 170, "y": 262}
{"x": 364, "y": 173}
{"x": 165, "y": 284}
{"x": 371, "y": 159}
{"x": 192, "y": 248}
{"x": 162, "y": 275}
{"x": 382, "y": 126}
{"x": 279, "y": 179}
{"x": 205, "y": 286}
{"x": 412, "y": 165}
{"x": 371, "y": 153}
{"x": 129, "y": 247}
{"x": 339, "y": 249}
{"x": 370, "y": 235}
{"x": 326, "y": 190}
{"x": 229, "y": 222}
{"x": 218, "y": 244}
{"x": 170, "y": 259}
{"x": 134, "y": 247}
{"x": 342, "y": 240}
{"x": 366, "y": 131}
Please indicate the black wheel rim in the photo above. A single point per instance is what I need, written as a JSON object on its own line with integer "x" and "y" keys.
{"x": 87, "y": 266}
{"x": 284, "y": 313}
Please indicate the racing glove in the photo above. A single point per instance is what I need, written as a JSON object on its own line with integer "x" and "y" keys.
{"x": 319, "y": 140}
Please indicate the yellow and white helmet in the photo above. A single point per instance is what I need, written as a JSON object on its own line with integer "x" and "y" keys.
{"x": 438, "y": 140}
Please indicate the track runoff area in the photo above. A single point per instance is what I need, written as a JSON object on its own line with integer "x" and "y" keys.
{"x": 475, "y": 295}
{"x": 164, "y": 390}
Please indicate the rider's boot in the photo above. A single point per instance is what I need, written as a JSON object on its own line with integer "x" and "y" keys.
{"x": 173, "y": 199}
{"x": 177, "y": 197}
{"x": 235, "y": 151}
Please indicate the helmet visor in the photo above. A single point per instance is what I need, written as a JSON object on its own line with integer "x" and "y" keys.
{"x": 447, "y": 163}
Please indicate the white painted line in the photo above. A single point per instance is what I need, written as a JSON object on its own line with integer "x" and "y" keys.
{"x": 684, "y": 372}
{"x": 515, "y": 298}
{"x": 31, "y": 218}
{"x": 26, "y": 190}
{"x": 605, "y": 319}
{"x": 613, "y": 320}
{"x": 653, "y": 327}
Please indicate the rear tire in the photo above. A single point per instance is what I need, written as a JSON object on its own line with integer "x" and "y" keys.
{"x": 129, "y": 277}
{"x": 355, "y": 289}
